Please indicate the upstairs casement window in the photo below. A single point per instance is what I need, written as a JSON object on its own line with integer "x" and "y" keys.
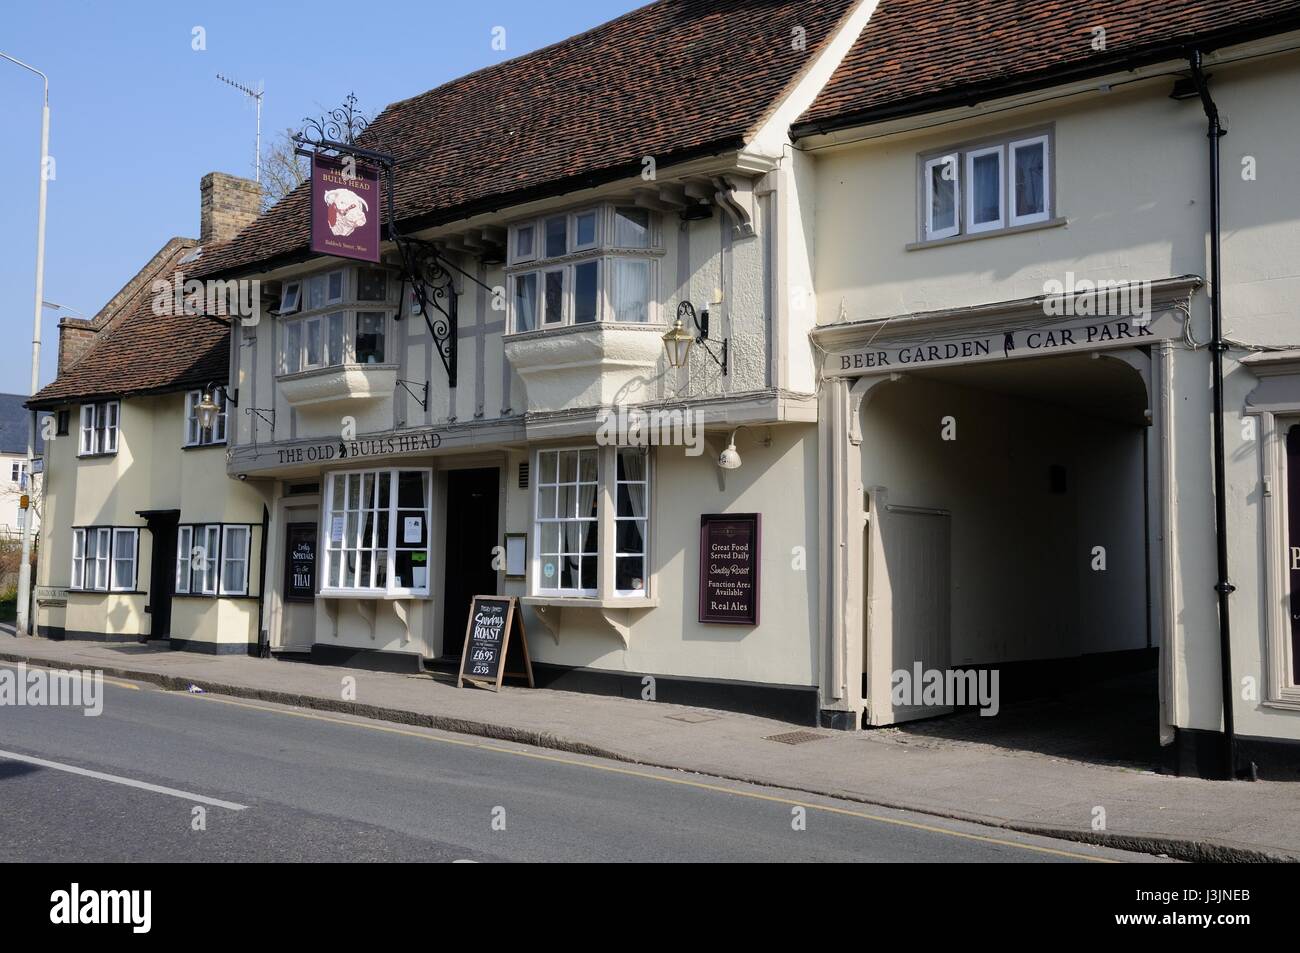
{"x": 343, "y": 320}
{"x": 104, "y": 558}
{"x": 580, "y": 267}
{"x": 591, "y": 522}
{"x": 195, "y": 434}
{"x": 212, "y": 559}
{"x": 377, "y": 534}
{"x": 99, "y": 424}
{"x": 986, "y": 188}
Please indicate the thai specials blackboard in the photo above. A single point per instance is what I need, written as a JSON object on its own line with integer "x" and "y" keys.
{"x": 495, "y": 644}
{"x": 300, "y": 562}
{"x": 729, "y": 557}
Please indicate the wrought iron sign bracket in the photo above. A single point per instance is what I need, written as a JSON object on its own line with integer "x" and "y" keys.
{"x": 261, "y": 413}
{"x": 407, "y": 386}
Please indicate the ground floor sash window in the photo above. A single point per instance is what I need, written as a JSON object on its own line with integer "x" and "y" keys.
{"x": 104, "y": 558}
{"x": 377, "y": 533}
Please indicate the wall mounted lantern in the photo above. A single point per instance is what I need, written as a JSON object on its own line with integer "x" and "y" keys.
{"x": 678, "y": 341}
{"x": 208, "y": 409}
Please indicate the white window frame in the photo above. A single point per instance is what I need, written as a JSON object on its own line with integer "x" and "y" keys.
{"x": 98, "y": 567}
{"x": 196, "y": 436}
{"x": 645, "y": 533}
{"x": 184, "y": 547}
{"x": 607, "y": 519}
{"x": 1012, "y": 148}
{"x": 291, "y": 297}
{"x": 133, "y": 536}
{"x": 540, "y": 483}
{"x": 226, "y": 549}
{"x": 602, "y": 251}
{"x": 932, "y": 233}
{"x": 972, "y": 226}
{"x": 95, "y": 425}
{"x": 348, "y": 307}
{"x": 389, "y": 549}
{"x": 385, "y": 315}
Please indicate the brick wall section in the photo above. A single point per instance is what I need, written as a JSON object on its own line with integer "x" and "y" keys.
{"x": 227, "y": 204}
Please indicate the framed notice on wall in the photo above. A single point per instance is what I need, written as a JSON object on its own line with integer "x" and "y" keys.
{"x": 729, "y": 558}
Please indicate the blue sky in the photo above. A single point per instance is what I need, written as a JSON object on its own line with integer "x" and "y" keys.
{"x": 138, "y": 116}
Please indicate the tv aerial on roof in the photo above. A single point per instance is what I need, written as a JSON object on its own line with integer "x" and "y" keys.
{"x": 255, "y": 95}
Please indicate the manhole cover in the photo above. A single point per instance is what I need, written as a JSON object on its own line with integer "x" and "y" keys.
{"x": 693, "y": 717}
{"x": 795, "y": 737}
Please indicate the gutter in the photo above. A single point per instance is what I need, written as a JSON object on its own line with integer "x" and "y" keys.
{"x": 1223, "y": 587}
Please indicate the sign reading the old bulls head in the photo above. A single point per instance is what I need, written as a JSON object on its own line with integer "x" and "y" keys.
{"x": 345, "y": 208}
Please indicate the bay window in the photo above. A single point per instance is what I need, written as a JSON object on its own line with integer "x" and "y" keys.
{"x": 104, "y": 558}
{"x": 328, "y": 332}
{"x": 985, "y": 188}
{"x": 376, "y": 533}
{"x": 98, "y": 428}
{"x": 197, "y": 435}
{"x": 581, "y": 267}
{"x": 591, "y": 522}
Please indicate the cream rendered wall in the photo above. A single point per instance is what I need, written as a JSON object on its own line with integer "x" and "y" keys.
{"x": 668, "y": 640}
{"x": 1131, "y": 178}
{"x": 150, "y": 471}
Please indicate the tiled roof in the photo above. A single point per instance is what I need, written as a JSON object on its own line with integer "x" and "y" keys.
{"x": 144, "y": 353}
{"x": 13, "y": 425}
{"x": 673, "y": 80}
{"x": 918, "y": 55}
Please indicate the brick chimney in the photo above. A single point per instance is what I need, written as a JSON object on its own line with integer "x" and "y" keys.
{"x": 227, "y": 204}
{"x": 76, "y": 336}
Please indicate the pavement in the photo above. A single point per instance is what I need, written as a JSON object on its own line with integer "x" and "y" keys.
{"x": 171, "y": 776}
{"x": 943, "y": 773}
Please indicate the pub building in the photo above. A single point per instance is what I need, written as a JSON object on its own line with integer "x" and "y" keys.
{"x": 769, "y": 371}
{"x": 617, "y": 425}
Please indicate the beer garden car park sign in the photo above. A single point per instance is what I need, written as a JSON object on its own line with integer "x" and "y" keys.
{"x": 1042, "y": 339}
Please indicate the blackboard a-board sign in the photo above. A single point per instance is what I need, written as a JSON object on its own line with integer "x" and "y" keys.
{"x": 300, "y": 562}
{"x": 490, "y": 654}
{"x": 729, "y": 557}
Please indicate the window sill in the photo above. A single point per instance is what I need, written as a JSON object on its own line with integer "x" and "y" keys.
{"x": 592, "y": 602}
{"x": 370, "y": 595}
{"x": 1058, "y": 222}
{"x": 339, "y": 384}
{"x": 96, "y": 456}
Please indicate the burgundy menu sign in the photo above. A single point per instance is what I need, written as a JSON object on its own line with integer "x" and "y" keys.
{"x": 729, "y": 556}
{"x": 345, "y": 206}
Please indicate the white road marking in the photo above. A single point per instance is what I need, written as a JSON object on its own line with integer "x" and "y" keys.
{"x": 128, "y": 782}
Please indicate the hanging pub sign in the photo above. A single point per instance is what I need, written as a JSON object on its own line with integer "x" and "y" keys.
{"x": 345, "y": 206}
{"x": 729, "y": 554}
{"x": 490, "y": 654}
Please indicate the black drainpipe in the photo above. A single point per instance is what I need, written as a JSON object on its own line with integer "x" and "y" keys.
{"x": 1224, "y": 588}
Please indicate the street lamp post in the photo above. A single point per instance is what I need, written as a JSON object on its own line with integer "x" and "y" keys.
{"x": 25, "y": 567}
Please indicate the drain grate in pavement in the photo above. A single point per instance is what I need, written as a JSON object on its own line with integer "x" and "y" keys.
{"x": 795, "y": 737}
